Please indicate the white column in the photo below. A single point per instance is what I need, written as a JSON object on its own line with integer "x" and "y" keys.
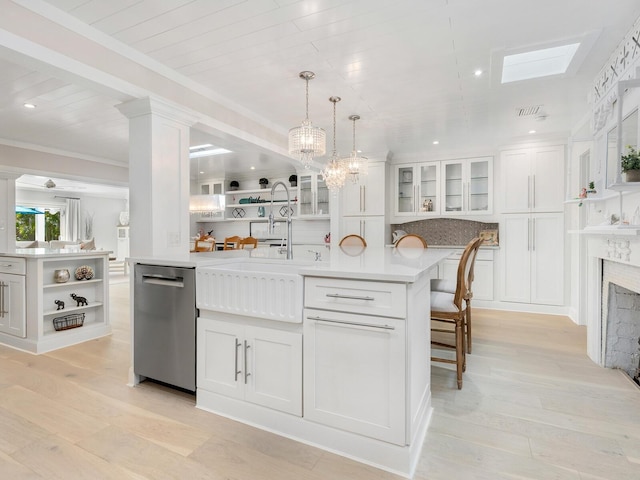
{"x": 8, "y": 211}
{"x": 158, "y": 177}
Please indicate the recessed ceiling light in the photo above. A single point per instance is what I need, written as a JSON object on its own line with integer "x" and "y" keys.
{"x": 532, "y": 131}
{"x": 436, "y": 142}
{"x": 478, "y": 73}
{"x": 252, "y": 167}
{"x": 201, "y": 173}
{"x": 28, "y": 105}
{"x": 538, "y": 63}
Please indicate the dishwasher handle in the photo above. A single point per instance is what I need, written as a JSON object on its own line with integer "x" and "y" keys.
{"x": 156, "y": 279}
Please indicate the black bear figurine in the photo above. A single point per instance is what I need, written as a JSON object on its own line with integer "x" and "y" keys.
{"x": 79, "y": 300}
{"x": 60, "y": 304}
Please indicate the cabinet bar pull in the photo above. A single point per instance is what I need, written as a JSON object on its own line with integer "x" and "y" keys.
{"x": 356, "y": 324}
{"x": 533, "y": 236}
{"x": 534, "y": 191}
{"x": 235, "y": 369}
{"x": 349, "y": 297}
{"x": 528, "y": 191}
{"x": 6, "y": 265}
{"x": 528, "y": 234}
{"x": 246, "y": 364}
{"x": 2, "y": 312}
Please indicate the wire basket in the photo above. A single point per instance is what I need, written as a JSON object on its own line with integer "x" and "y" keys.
{"x": 73, "y": 320}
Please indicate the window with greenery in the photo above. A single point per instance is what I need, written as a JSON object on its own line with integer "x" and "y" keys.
{"x": 25, "y": 226}
{"x": 37, "y": 224}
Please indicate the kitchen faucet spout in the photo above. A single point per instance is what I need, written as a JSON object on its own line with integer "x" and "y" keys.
{"x": 289, "y": 226}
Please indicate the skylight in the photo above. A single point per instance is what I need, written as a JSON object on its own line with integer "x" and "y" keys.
{"x": 538, "y": 63}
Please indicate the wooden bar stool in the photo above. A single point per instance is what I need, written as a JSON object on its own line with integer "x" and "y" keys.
{"x": 231, "y": 243}
{"x": 352, "y": 240}
{"x": 411, "y": 240}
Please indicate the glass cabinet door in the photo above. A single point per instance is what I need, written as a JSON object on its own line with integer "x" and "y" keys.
{"x": 453, "y": 187}
{"x": 322, "y": 197}
{"x": 305, "y": 199}
{"x": 478, "y": 200}
{"x": 428, "y": 201}
{"x": 405, "y": 190}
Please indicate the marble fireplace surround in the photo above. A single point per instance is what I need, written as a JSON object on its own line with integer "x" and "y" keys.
{"x": 613, "y": 259}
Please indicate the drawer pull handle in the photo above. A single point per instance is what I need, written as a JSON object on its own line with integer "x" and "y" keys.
{"x": 357, "y": 324}
{"x": 6, "y": 265}
{"x": 350, "y": 297}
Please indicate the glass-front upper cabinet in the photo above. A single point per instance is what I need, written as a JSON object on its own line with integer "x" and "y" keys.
{"x": 313, "y": 196}
{"x": 417, "y": 189}
{"x": 467, "y": 186}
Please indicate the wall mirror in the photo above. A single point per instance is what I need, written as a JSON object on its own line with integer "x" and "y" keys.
{"x": 624, "y": 133}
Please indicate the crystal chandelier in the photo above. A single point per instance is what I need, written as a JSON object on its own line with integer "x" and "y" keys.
{"x": 334, "y": 173}
{"x": 307, "y": 141}
{"x": 354, "y": 165}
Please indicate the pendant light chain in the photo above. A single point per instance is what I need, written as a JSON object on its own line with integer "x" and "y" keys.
{"x": 334, "y": 173}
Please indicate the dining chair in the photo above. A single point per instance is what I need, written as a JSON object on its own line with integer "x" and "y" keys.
{"x": 231, "y": 243}
{"x": 251, "y": 241}
{"x": 204, "y": 245}
{"x": 411, "y": 240}
{"x": 450, "y": 309}
{"x": 352, "y": 240}
{"x": 449, "y": 286}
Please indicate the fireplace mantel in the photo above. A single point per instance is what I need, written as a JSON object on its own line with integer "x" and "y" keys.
{"x": 623, "y": 249}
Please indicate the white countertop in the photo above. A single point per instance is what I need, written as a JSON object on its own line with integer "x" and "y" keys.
{"x": 49, "y": 252}
{"x": 371, "y": 263}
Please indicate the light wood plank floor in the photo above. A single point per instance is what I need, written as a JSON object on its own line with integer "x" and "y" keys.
{"x": 533, "y": 406}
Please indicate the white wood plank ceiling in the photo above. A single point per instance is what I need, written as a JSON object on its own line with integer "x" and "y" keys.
{"x": 405, "y": 66}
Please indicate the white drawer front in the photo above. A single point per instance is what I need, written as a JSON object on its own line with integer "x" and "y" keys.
{"x": 12, "y": 265}
{"x": 371, "y": 298}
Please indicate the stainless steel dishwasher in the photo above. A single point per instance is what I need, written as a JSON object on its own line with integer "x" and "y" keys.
{"x": 164, "y": 324}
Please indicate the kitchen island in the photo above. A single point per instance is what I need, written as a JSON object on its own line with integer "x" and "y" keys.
{"x": 39, "y": 313}
{"x": 333, "y": 353}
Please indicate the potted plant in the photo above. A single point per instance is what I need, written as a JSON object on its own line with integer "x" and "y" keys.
{"x": 263, "y": 182}
{"x": 293, "y": 180}
{"x": 630, "y": 164}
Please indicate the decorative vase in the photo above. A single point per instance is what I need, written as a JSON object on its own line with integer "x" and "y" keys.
{"x": 124, "y": 218}
{"x": 632, "y": 175}
{"x": 61, "y": 276}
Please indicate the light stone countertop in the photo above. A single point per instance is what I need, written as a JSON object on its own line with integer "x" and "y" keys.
{"x": 50, "y": 253}
{"x": 370, "y": 263}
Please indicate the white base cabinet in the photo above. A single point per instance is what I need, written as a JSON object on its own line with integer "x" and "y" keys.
{"x": 483, "y": 283}
{"x": 355, "y": 373}
{"x": 533, "y": 248}
{"x": 256, "y": 364}
{"x": 12, "y": 297}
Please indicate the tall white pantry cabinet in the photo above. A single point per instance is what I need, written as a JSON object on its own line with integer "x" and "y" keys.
{"x": 532, "y": 236}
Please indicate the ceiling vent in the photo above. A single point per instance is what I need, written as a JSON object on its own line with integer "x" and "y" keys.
{"x": 528, "y": 111}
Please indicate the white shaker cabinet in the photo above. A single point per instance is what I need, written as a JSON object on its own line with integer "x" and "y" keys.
{"x": 417, "y": 189}
{"x": 467, "y": 186}
{"x": 370, "y": 228}
{"x": 533, "y": 179}
{"x": 12, "y": 297}
{"x": 367, "y": 195}
{"x": 533, "y": 247}
{"x": 354, "y": 371}
{"x": 256, "y": 364}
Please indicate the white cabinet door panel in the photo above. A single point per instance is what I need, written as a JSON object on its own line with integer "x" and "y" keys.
{"x": 12, "y": 303}
{"x": 516, "y": 245}
{"x": 369, "y": 228}
{"x": 219, "y": 363}
{"x": 516, "y": 179}
{"x": 547, "y": 273}
{"x": 355, "y": 373}
{"x": 547, "y": 179}
{"x": 274, "y": 365}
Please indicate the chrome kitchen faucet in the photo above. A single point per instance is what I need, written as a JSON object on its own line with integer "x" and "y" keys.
{"x": 289, "y": 226}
